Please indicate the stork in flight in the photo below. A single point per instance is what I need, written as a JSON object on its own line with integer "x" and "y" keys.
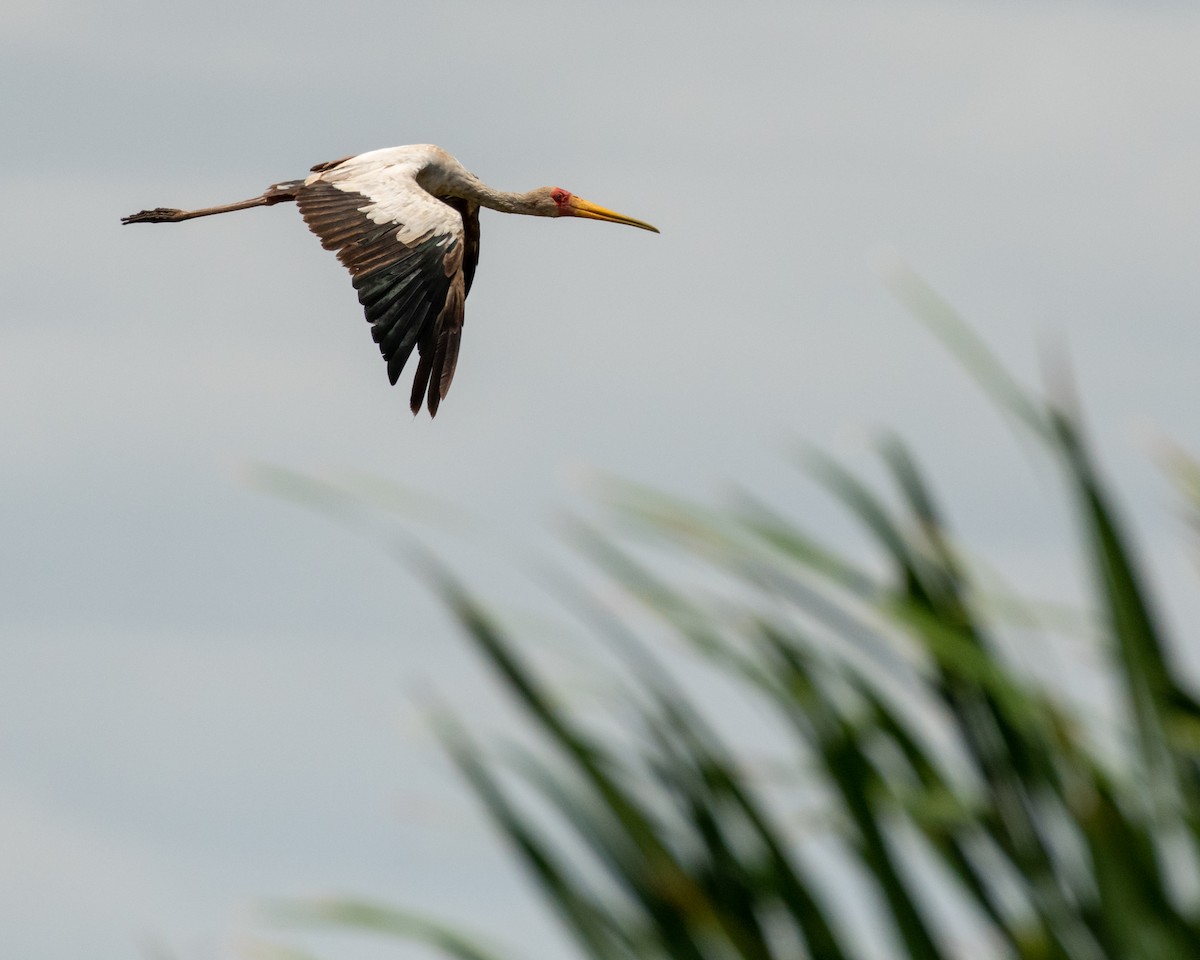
{"x": 405, "y": 222}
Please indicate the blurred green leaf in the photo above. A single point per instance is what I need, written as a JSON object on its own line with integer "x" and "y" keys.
{"x": 377, "y": 918}
{"x": 948, "y": 781}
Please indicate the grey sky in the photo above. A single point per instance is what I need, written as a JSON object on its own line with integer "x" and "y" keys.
{"x": 206, "y": 696}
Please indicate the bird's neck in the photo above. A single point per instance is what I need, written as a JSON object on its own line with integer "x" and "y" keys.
{"x": 449, "y": 177}
{"x": 503, "y": 200}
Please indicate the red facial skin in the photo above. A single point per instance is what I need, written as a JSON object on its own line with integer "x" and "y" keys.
{"x": 563, "y": 199}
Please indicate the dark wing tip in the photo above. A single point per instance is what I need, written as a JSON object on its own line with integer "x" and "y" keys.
{"x": 420, "y": 381}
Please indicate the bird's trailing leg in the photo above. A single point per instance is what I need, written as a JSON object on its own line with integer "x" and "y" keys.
{"x": 276, "y": 193}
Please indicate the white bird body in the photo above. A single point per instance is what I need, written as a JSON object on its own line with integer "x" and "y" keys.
{"x": 405, "y": 223}
{"x": 403, "y": 184}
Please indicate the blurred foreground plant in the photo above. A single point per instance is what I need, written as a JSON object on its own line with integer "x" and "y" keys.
{"x": 964, "y": 807}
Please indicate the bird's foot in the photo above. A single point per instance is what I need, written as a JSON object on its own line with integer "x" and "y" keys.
{"x": 157, "y": 215}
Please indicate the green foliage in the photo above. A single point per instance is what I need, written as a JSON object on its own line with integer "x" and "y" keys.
{"x": 956, "y": 790}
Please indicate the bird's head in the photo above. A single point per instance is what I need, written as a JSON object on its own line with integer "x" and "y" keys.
{"x": 557, "y": 202}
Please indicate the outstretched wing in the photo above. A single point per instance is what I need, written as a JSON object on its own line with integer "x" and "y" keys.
{"x": 406, "y": 251}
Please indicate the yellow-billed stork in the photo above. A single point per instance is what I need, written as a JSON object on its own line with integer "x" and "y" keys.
{"x": 405, "y": 222}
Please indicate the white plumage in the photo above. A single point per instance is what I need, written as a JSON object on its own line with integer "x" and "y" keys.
{"x": 390, "y": 179}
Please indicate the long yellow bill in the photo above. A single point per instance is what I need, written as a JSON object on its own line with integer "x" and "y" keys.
{"x": 584, "y": 208}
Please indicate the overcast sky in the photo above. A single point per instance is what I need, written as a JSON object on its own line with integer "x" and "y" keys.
{"x": 206, "y": 696}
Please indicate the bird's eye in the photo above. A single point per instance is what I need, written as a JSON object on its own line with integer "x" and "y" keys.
{"x": 559, "y": 195}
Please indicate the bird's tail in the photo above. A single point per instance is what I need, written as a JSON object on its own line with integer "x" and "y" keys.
{"x": 276, "y": 193}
